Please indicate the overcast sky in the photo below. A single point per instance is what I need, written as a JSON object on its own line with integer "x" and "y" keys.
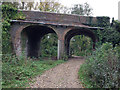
{"x": 100, "y": 7}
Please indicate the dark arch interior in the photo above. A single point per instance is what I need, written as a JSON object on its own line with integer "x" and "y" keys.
{"x": 75, "y": 32}
{"x": 33, "y": 35}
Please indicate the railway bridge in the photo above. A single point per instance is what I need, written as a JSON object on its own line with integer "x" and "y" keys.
{"x": 29, "y": 31}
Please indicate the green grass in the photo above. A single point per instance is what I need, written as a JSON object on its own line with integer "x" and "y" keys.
{"x": 18, "y": 74}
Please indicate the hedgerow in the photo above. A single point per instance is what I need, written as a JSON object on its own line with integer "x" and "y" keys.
{"x": 102, "y": 68}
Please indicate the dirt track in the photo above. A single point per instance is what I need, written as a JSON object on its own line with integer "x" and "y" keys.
{"x": 62, "y": 76}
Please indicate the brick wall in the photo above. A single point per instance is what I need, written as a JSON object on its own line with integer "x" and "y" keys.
{"x": 48, "y": 17}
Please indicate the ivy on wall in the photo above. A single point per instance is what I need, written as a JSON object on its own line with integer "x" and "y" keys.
{"x": 8, "y": 13}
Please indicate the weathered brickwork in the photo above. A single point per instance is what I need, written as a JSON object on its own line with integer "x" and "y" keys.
{"x": 37, "y": 24}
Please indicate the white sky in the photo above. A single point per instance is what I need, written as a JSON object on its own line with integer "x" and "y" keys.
{"x": 100, "y": 7}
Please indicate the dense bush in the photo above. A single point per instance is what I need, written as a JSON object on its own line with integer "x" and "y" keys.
{"x": 102, "y": 68}
{"x": 109, "y": 34}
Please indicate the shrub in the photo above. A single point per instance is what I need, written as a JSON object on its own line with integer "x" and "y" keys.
{"x": 109, "y": 34}
{"x": 102, "y": 68}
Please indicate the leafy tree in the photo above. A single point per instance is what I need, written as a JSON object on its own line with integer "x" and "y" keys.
{"x": 50, "y": 5}
{"x": 87, "y": 9}
{"x": 80, "y": 9}
{"x": 77, "y": 9}
{"x": 30, "y": 6}
{"x": 13, "y": 4}
{"x": 65, "y": 10}
{"x": 21, "y": 5}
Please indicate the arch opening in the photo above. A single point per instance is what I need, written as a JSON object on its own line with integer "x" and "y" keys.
{"x": 31, "y": 37}
{"x": 76, "y": 32}
{"x": 80, "y": 45}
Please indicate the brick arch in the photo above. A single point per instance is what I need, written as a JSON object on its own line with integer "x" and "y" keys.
{"x": 51, "y": 29}
{"x": 34, "y": 33}
{"x": 78, "y": 31}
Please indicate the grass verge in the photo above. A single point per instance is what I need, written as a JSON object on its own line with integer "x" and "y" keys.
{"x": 17, "y": 74}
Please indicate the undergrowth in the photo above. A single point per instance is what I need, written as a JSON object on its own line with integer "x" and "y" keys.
{"x": 18, "y": 72}
{"x": 102, "y": 68}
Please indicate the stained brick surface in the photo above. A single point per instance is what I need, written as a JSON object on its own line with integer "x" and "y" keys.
{"x": 48, "y": 17}
{"x": 64, "y": 25}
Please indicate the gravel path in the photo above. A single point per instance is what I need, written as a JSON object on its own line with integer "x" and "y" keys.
{"x": 62, "y": 76}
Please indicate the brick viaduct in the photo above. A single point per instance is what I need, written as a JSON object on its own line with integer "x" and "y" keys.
{"x": 29, "y": 32}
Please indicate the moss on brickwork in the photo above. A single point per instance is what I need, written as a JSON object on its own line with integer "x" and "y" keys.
{"x": 103, "y": 21}
{"x": 99, "y": 22}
